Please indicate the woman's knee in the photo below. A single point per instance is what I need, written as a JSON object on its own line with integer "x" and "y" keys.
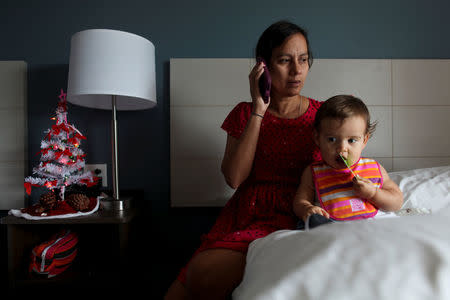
{"x": 177, "y": 291}
{"x": 215, "y": 272}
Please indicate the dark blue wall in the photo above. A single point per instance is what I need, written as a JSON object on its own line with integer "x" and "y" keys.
{"x": 39, "y": 32}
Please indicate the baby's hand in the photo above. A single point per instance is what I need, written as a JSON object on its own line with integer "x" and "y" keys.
{"x": 364, "y": 188}
{"x": 314, "y": 209}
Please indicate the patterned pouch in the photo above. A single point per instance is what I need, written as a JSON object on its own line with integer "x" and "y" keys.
{"x": 54, "y": 256}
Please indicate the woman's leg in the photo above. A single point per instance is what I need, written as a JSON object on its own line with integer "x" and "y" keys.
{"x": 177, "y": 291}
{"x": 215, "y": 273}
{"x": 211, "y": 274}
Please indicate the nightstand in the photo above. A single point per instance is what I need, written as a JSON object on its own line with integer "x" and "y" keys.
{"x": 103, "y": 253}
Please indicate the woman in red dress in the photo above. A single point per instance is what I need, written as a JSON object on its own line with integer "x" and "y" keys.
{"x": 268, "y": 146}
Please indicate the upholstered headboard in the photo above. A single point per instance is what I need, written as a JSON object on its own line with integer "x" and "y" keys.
{"x": 13, "y": 133}
{"x": 409, "y": 98}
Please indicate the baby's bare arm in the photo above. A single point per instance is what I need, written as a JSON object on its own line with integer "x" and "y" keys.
{"x": 303, "y": 203}
{"x": 388, "y": 198}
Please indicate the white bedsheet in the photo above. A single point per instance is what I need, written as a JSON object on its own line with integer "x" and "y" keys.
{"x": 391, "y": 258}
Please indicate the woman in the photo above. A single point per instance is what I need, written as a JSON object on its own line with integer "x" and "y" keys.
{"x": 268, "y": 146}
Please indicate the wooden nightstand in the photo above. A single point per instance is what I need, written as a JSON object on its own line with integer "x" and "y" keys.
{"x": 102, "y": 258}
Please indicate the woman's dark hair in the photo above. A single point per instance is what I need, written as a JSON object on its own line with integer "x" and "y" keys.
{"x": 341, "y": 107}
{"x": 275, "y": 35}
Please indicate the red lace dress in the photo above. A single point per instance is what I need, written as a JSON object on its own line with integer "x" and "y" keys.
{"x": 263, "y": 202}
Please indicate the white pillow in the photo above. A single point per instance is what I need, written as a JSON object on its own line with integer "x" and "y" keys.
{"x": 424, "y": 188}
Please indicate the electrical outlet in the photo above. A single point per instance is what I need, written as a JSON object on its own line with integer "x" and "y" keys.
{"x": 102, "y": 168}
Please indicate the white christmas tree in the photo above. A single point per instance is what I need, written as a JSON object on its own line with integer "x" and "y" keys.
{"x": 62, "y": 160}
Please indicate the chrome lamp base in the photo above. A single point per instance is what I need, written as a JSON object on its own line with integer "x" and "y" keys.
{"x": 111, "y": 203}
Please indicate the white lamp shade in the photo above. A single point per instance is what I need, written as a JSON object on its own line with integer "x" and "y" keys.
{"x": 107, "y": 62}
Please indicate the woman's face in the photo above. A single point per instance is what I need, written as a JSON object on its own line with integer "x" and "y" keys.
{"x": 289, "y": 66}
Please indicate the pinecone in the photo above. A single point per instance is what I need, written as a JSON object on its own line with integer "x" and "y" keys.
{"x": 48, "y": 201}
{"x": 78, "y": 201}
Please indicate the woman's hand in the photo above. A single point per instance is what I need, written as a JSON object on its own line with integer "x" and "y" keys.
{"x": 259, "y": 106}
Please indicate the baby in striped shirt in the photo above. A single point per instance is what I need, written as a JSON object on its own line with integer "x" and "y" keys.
{"x": 344, "y": 185}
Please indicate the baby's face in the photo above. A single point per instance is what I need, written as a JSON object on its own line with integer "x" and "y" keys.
{"x": 347, "y": 138}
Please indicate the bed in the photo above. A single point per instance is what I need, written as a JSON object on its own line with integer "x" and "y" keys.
{"x": 400, "y": 256}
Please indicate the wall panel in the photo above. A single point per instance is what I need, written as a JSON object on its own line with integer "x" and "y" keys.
{"x": 410, "y": 99}
{"x": 13, "y": 133}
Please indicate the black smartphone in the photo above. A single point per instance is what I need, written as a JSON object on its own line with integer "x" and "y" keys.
{"x": 264, "y": 82}
{"x": 313, "y": 220}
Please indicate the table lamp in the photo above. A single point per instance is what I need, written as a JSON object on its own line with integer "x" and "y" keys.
{"x": 112, "y": 70}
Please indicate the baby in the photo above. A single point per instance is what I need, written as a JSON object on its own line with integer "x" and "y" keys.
{"x": 329, "y": 188}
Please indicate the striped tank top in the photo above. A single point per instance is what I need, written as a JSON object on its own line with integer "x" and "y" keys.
{"x": 334, "y": 189}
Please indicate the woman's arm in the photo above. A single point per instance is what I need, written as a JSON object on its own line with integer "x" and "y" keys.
{"x": 239, "y": 153}
{"x": 303, "y": 203}
{"x": 388, "y": 198}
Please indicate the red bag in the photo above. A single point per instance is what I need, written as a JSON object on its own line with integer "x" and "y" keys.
{"x": 54, "y": 256}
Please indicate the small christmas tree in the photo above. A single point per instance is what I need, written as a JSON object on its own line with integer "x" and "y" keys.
{"x": 62, "y": 160}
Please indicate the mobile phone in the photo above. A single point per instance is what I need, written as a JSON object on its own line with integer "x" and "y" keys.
{"x": 264, "y": 82}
